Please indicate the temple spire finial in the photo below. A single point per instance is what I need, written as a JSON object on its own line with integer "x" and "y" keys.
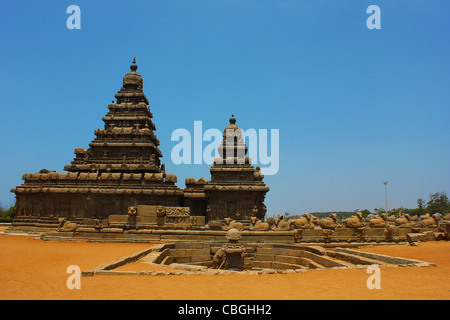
{"x": 232, "y": 119}
{"x": 134, "y": 66}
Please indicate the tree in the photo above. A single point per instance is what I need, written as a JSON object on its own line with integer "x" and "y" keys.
{"x": 11, "y": 212}
{"x": 421, "y": 206}
{"x": 379, "y": 210}
{"x": 438, "y": 203}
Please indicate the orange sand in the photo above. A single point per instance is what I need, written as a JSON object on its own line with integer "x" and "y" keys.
{"x": 36, "y": 269}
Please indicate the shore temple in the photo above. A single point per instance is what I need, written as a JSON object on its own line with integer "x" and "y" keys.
{"x": 122, "y": 168}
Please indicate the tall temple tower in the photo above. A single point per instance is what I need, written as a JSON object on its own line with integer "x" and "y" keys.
{"x": 127, "y": 144}
{"x": 121, "y": 168}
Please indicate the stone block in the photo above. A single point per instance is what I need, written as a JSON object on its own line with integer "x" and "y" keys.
{"x": 118, "y": 218}
{"x": 415, "y": 237}
{"x": 439, "y": 236}
{"x": 149, "y": 220}
{"x": 269, "y": 271}
{"x": 115, "y": 273}
{"x": 149, "y": 211}
{"x": 178, "y": 220}
{"x": 197, "y": 220}
{"x": 429, "y": 236}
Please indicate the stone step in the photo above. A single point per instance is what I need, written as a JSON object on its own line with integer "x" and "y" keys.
{"x": 275, "y": 265}
{"x": 353, "y": 258}
{"x": 380, "y": 258}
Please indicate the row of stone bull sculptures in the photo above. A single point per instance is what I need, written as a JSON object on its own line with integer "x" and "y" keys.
{"x": 308, "y": 221}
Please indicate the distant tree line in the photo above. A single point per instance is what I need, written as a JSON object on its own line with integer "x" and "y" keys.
{"x": 7, "y": 214}
{"x": 438, "y": 203}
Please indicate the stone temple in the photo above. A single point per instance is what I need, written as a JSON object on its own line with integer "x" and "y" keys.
{"x": 122, "y": 169}
{"x": 118, "y": 190}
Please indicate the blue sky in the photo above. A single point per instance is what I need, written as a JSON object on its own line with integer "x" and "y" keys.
{"x": 354, "y": 107}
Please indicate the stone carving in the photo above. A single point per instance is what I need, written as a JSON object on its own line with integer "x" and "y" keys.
{"x": 404, "y": 222}
{"x": 431, "y": 222}
{"x": 304, "y": 222}
{"x": 258, "y": 225}
{"x": 171, "y": 177}
{"x": 177, "y": 211}
{"x": 379, "y": 222}
{"x": 64, "y": 225}
{"x": 219, "y": 258}
{"x": 232, "y": 224}
{"x": 230, "y": 255}
{"x": 215, "y": 225}
{"x": 281, "y": 225}
{"x": 329, "y": 223}
{"x": 355, "y": 221}
{"x": 132, "y": 211}
{"x": 255, "y": 211}
{"x": 160, "y": 211}
{"x": 391, "y": 218}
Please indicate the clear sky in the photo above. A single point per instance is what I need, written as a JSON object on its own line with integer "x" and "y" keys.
{"x": 354, "y": 106}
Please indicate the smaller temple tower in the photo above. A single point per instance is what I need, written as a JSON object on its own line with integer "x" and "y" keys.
{"x": 236, "y": 189}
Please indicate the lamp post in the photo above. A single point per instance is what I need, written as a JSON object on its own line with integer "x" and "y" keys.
{"x": 385, "y": 194}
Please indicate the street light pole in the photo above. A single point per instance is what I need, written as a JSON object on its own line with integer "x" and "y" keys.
{"x": 385, "y": 194}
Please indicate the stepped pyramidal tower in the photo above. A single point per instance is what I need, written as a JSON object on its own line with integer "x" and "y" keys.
{"x": 122, "y": 169}
{"x": 236, "y": 189}
{"x": 127, "y": 144}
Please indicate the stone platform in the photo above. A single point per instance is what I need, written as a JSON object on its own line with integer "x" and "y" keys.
{"x": 187, "y": 235}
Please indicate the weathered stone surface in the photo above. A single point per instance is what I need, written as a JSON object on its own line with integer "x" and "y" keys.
{"x": 186, "y": 267}
{"x": 415, "y": 237}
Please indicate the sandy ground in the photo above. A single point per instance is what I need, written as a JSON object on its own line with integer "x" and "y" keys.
{"x": 36, "y": 269}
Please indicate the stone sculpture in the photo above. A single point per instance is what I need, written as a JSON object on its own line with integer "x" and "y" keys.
{"x": 281, "y": 225}
{"x": 431, "y": 222}
{"x": 304, "y": 222}
{"x": 258, "y": 225}
{"x": 404, "y": 222}
{"x": 232, "y": 224}
{"x": 230, "y": 255}
{"x": 330, "y": 222}
{"x": 379, "y": 222}
{"x": 355, "y": 221}
{"x": 66, "y": 226}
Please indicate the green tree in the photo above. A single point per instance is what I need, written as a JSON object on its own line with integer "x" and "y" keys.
{"x": 11, "y": 212}
{"x": 379, "y": 210}
{"x": 438, "y": 203}
{"x": 421, "y": 206}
